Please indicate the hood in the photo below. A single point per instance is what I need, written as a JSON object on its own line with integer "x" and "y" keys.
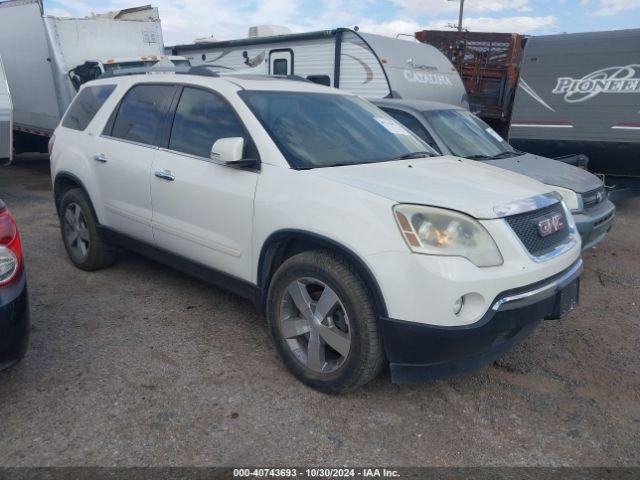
{"x": 551, "y": 172}
{"x": 467, "y": 186}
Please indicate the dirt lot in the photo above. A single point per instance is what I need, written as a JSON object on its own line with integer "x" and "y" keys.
{"x": 141, "y": 365}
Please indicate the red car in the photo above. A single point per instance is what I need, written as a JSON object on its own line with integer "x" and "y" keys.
{"x": 14, "y": 305}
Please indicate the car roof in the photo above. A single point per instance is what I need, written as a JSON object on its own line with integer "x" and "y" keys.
{"x": 238, "y": 81}
{"x": 415, "y": 105}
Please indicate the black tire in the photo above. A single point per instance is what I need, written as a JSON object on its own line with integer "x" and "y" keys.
{"x": 365, "y": 357}
{"x": 98, "y": 254}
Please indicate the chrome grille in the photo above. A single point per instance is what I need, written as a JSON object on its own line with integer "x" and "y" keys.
{"x": 525, "y": 226}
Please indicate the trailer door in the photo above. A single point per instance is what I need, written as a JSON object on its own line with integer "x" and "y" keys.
{"x": 281, "y": 61}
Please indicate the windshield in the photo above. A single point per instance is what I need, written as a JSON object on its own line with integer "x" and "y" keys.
{"x": 324, "y": 130}
{"x": 466, "y": 135}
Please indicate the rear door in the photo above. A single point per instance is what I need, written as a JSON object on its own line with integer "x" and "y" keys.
{"x": 123, "y": 157}
{"x": 281, "y": 62}
{"x": 202, "y": 210}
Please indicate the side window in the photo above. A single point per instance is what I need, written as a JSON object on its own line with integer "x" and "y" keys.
{"x": 85, "y": 106}
{"x": 280, "y": 66}
{"x": 414, "y": 125}
{"x": 140, "y": 113}
{"x": 202, "y": 118}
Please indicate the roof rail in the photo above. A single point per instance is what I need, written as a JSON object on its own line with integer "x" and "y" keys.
{"x": 143, "y": 71}
{"x": 205, "y": 70}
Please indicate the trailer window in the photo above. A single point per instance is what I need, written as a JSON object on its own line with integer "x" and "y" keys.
{"x": 140, "y": 113}
{"x": 280, "y": 66}
{"x": 85, "y": 106}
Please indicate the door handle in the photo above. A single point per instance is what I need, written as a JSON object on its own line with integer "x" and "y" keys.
{"x": 101, "y": 157}
{"x": 165, "y": 175}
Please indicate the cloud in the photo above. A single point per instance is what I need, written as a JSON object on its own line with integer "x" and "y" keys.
{"x": 606, "y": 8}
{"x": 526, "y": 25}
{"x": 437, "y": 7}
{"x": 521, "y": 24}
{"x": 185, "y": 20}
{"x": 58, "y": 12}
{"x": 393, "y": 28}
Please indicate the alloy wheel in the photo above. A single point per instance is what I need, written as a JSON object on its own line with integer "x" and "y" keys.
{"x": 76, "y": 231}
{"x": 315, "y": 325}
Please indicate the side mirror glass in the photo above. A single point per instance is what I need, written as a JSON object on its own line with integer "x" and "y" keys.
{"x": 229, "y": 151}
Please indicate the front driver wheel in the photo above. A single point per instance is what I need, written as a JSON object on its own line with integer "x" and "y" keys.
{"x": 323, "y": 324}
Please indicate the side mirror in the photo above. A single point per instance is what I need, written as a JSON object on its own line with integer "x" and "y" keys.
{"x": 229, "y": 151}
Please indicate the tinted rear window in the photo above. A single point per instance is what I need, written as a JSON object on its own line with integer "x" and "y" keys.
{"x": 140, "y": 113}
{"x": 85, "y": 106}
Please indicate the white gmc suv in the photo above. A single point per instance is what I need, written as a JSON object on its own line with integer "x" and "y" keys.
{"x": 361, "y": 244}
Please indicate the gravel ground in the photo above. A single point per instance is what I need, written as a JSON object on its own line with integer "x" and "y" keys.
{"x": 141, "y": 365}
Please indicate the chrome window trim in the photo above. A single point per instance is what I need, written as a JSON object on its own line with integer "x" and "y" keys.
{"x": 130, "y": 142}
{"x": 534, "y": 295}
{"x": 527, "y": 204}
{"x": 191, "y": 155}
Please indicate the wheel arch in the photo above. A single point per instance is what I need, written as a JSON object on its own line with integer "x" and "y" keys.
{"x": 284, "y": 244}
{"x": 65, "y": 181}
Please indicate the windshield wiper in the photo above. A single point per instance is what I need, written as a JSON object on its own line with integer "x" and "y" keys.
{"x": 345, "y": 164}
{"x": 406, "y": 156}
{"x": 409, "y": 156}
{"x": 506, "y": 154}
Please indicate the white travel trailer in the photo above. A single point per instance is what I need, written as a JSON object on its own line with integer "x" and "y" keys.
{"x": 46, "y": 59}
{"x": 369, "y": 65}
{"x": 6, "y": 118}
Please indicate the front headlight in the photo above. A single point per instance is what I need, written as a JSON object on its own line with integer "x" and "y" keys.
{"x": 571, "y": 199}
{"x": 436, "y": 231}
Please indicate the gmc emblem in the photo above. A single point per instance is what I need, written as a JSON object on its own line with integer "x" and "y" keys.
{"x": 549, "y": 225}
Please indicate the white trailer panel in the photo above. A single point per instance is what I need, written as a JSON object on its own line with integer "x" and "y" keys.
{"x": 25, "y": 52}
{"x": 6, "y": 119}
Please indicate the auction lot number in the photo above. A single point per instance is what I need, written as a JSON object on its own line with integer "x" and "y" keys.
{"x": 315, "y": 472}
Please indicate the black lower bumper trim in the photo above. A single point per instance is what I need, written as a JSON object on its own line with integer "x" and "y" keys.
{"x": 419, "y": 352}
{"x": 15, "y": 325}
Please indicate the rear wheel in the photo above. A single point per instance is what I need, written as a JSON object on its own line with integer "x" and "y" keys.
{"x": 323, "y": 323}
{"x": 80, "y": 234}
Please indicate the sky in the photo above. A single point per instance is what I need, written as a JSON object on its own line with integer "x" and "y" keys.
{"x": 185, "y": 20}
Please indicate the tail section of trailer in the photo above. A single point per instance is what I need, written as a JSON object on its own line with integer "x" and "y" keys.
{"x": 580, "y": 93}
{"x": 370, "y": 65}
{"x": 24, "y": 49}
{"x": 6, "y": 119}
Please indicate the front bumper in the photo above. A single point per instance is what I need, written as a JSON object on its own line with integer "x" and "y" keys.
{"x": 593, "y": 224}
{"x": 15, "y": 324}
{"x": 419, "y": 352}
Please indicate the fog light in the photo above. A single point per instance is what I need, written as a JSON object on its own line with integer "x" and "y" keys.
{"x": 457, "y": 306}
